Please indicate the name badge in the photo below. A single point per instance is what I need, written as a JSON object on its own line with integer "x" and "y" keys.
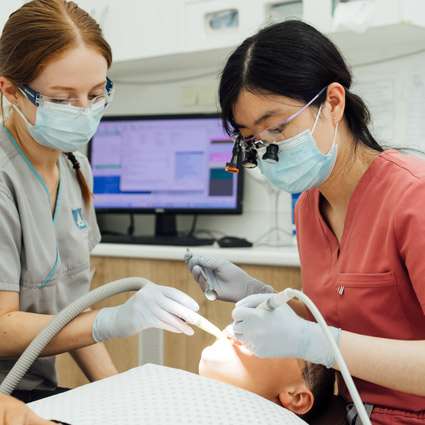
{"x": 78, "y": 219}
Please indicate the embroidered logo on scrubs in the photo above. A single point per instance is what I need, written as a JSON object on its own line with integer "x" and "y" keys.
{"x": 78, "y": 218}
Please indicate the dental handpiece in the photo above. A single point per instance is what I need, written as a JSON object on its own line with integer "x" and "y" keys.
{"x": 210, "y": 293}
{"x": 276, "y": 300}
{"x": 206, "y": 325}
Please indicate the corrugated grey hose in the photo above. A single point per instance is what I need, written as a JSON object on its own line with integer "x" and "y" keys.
{"x": 62, "y": 319}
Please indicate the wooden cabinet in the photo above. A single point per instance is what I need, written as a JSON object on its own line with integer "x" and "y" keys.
{"x": 180, "y": 351}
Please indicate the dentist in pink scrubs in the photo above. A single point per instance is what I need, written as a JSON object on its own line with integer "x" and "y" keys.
{"x": 360, "y": 220}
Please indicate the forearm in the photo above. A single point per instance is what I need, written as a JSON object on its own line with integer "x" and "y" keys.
{"x": 95, "y": 362}
{"x": 298, "y": 307}
{"x": 399, "y": 365}
{"x": 18, "y": 329}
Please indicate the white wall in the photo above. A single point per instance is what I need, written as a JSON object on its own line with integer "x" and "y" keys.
{"x": 405, "y": 110}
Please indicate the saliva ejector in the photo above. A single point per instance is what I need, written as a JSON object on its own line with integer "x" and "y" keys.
{"x": 277, "y": 300}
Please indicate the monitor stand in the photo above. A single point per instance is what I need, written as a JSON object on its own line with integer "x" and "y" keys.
{"x": 166, "y": 233}
{"x": 165, "y": 224}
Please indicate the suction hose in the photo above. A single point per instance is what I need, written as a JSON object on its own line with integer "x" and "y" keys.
{"x": 283, "y": 297}
{"x": 61, "y": 320}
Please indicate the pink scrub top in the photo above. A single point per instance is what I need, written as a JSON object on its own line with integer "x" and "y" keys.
{"x": 373, "y": 282}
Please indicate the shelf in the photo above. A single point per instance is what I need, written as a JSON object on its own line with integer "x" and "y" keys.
{"x": 375, "y": 44}
{"x": 380, "y": 43}
{"x": 281, "y": 256}
{"x": 183, "y": 61}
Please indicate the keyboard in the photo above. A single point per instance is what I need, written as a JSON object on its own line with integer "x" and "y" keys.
{"x": 157, "y": 240}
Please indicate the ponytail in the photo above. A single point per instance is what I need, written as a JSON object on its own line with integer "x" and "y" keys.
{"x": 85, "y": 190}
{"x": 357, "y": 115}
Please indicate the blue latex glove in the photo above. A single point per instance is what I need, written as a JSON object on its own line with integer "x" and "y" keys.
{"x": 280, "y": 332}
{"x": 229, "y": 281}
{"x": 153, "y": 306}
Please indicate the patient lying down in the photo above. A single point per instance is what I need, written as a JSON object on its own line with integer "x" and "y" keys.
{"x": 301, "y": 387}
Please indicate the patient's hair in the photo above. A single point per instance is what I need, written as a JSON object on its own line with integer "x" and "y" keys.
{"x": 321, "y": 382}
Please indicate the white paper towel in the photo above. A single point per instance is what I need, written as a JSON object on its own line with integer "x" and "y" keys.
{"x": 153, "y": 394}
{"x": 354, "y": 15}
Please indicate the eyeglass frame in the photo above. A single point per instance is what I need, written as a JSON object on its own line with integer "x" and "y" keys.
{"x": 248, "y": 144}
{"x": 35, "y": 96}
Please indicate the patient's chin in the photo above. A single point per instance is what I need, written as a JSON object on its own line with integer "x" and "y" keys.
{"x": 207, "y": 366}
{"x": 209, "y": 353}
{"x": 216, "y": 358}
{"x": 219, "y": 352}
{"x": 213, "y": 370}
{"x": 202, "y": 369}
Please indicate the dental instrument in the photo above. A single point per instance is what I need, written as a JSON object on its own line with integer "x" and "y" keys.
{"x": 210, "y": 293}
{"x": 37, "y": 345}
{"x": 206, "y": 325}
{"x": 283, "y": 297}
{"x": 276, "y": 300}
{"x": 70, "y": 312}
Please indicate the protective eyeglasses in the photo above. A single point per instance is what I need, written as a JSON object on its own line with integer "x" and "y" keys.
{"x": 273, "y": 134}
{"x": 40, "y": 100}
{"x": 247, "y": 147}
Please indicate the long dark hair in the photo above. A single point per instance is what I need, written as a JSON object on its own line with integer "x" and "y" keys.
{"x": 294, "y": 60}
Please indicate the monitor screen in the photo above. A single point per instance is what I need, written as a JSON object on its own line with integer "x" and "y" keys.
{"x": 169, "y": 163}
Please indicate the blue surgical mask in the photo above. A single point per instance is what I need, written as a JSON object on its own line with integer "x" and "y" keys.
{"x": 63, "y": 127}
{"x": 301, "y": 165}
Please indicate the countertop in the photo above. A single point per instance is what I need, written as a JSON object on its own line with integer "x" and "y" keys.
{"x": 272, "y": 256}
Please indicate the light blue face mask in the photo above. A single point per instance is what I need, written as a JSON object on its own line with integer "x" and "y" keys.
{"x": 301, "y": 165}
{"x": 64, "y": 127}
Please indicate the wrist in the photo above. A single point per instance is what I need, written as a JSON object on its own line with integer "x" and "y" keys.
{"x": 103, "y": 324}
{"x": 314, "y": 345}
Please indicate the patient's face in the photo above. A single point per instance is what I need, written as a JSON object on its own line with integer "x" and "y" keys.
{"x": 228, "y": 362}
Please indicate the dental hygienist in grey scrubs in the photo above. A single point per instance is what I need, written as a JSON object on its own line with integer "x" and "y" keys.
{"x": 53, "y": 66}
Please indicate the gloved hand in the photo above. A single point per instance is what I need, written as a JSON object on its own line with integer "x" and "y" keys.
{"x": 280, "y": 332}
{"x": 153, "y": 306}
{"x": 229, "y": 281}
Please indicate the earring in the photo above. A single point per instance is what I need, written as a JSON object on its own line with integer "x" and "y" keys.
{"x": 334, "y": 118}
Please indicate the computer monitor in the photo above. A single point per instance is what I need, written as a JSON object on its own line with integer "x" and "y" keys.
{"x": 164, "y": 164}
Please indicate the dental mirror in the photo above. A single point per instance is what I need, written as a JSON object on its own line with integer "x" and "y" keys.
{"x": 210, "y": 294}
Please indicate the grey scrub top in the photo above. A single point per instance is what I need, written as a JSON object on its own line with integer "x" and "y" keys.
{"x": 46, "y": 259}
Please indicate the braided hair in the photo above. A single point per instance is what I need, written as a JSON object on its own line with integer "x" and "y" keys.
{"x": 85, "y": 190}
